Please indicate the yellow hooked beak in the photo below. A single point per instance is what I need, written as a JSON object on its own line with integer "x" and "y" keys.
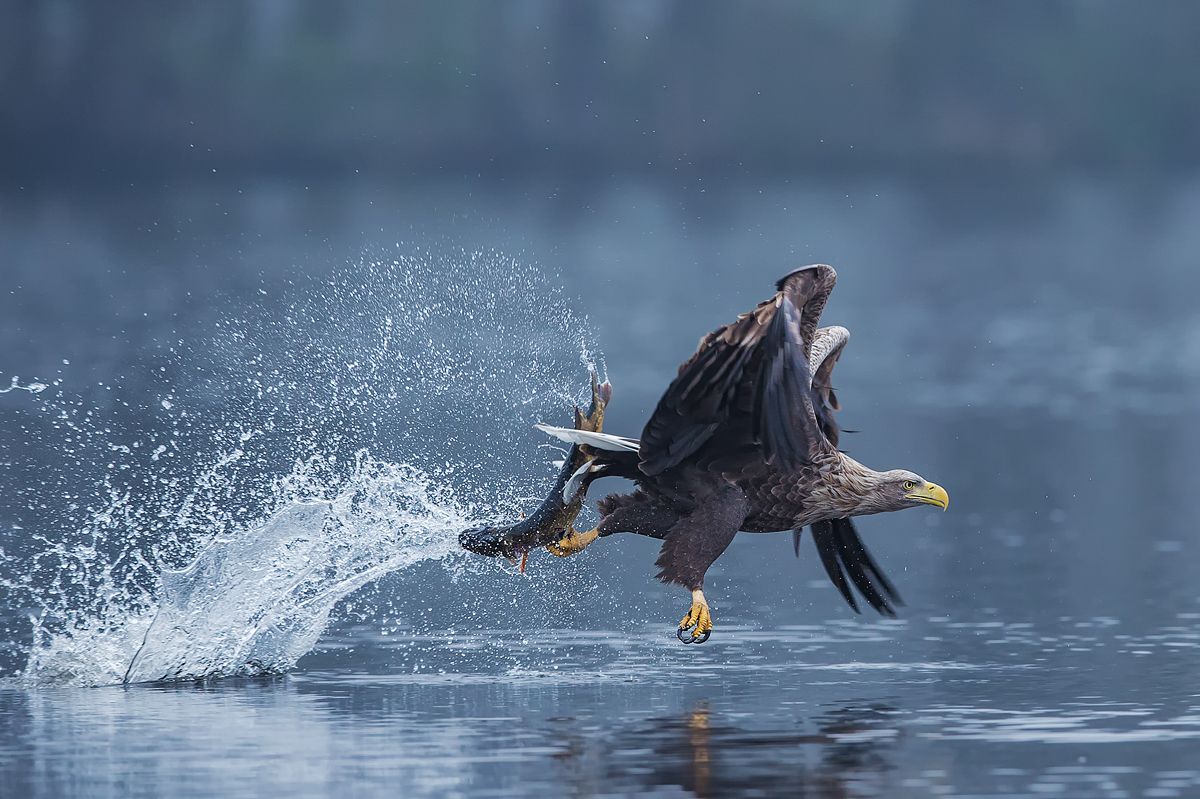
{"x": 930, "y": 494}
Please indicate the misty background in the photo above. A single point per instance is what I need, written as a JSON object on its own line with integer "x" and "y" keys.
{"x": 157, "y": 155}
{"x": 288, "y": 87}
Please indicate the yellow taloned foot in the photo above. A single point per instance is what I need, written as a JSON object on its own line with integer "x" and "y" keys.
{"x": 696, "y": 627}
{"x": 575, "y": 542}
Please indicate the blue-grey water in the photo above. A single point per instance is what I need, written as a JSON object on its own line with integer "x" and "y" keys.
{"x": 247, "y": 421}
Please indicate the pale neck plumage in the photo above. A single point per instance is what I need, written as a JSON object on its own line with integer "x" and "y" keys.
{"x": 848, "y": 488}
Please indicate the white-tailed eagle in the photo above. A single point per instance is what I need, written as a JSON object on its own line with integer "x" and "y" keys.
{"x": 744, "y": 439}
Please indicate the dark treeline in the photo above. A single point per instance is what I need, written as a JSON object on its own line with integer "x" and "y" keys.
{"x": 301, "y": 85}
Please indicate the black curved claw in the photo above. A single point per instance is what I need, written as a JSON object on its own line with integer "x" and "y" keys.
{"x": 703, "y": 638}
{"x": 691, "y": 639}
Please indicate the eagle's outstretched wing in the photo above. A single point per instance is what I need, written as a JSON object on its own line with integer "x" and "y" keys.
{"x": 752, "y": 380}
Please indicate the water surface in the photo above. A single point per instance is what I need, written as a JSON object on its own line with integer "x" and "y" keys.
{"x": 376, "y": 358}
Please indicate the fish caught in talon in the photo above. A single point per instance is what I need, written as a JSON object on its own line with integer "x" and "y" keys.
{"x": 744, "y": 439}
{"x": 560, "y": 509}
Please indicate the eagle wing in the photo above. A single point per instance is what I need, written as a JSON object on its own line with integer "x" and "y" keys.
{"x": 751, "y": 380}
{"x": 828, "y": 343}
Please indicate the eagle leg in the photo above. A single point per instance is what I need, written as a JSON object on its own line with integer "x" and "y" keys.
{"x": 692, "y": 545}
{"x": 697, "y": 625}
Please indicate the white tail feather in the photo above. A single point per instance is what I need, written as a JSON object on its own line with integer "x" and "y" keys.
{"x": 597, "y": 440}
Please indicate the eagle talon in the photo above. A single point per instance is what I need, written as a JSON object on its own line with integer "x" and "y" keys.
{"x": 698, "y": 623}
{"x": 572, "y": 543}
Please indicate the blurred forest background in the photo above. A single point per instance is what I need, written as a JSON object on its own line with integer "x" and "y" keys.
{"x": 581, "y": 87}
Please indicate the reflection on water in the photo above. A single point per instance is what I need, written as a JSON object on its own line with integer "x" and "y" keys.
{"x": 825, "y": 710}
{"x": 630, "y": 716}
{"x": 715, "y": 756}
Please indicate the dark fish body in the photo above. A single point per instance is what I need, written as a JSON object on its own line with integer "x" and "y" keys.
{"x": 553, "y": 520}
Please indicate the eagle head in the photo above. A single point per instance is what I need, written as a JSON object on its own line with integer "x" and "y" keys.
{"x": 899, "y": 489}
{"x": 856, "y": 490}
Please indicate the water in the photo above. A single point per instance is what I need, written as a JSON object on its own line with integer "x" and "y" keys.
{"x": 823, "y": 709}
{"x": 255, "y": 497}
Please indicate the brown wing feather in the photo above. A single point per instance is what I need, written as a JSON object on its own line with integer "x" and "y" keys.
{"x": 751, "y": 377}
{"x": 704, "y": 394}
{"x": 809, "y": 287}
{"x": 785, "y": 424}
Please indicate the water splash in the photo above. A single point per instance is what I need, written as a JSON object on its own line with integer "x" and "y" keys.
{"x": 15, "y": 385}
{"x": 305, "y": 448}
{"x": 257, "y": 600}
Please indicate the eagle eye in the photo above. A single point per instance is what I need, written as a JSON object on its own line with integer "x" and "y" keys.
{"x": 909, "y": 485}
